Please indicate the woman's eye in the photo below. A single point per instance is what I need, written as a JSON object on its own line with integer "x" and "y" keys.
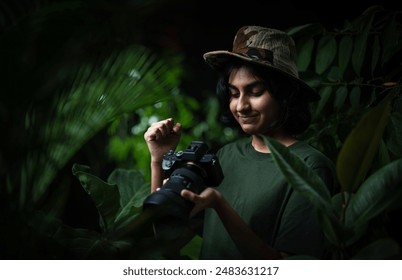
{"x": 234, "y": 94}
{"x": 257, "y": 93}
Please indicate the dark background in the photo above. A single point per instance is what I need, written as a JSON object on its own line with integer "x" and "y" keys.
{"x": 190, "y": 28}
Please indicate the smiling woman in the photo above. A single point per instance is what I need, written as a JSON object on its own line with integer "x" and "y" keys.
{"x": 254, "y": 213}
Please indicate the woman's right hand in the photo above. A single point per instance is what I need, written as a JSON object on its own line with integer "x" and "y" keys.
{"x": 161, "y": 137}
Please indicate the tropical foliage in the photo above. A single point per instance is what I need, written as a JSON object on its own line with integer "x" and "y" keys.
{"x": 78, "y": 107}
{"x": 357, "y": 71}
{"x": 352, "y": 68}
{"x": 58, "y": 94}
{"x": 69, "y": 97}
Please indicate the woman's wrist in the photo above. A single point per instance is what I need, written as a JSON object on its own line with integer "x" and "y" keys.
{"x": 218, "y": 201}
{"x": 156, "y": 162}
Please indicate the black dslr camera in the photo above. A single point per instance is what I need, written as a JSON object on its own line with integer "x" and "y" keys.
{"x": 191, "y": 169}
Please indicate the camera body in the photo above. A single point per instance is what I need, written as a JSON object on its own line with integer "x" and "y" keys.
{"x": 192, "y": 169}
{"x": 194, "y": 157}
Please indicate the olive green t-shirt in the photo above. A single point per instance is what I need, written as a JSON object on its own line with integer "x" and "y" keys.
{"x": 260, "y": 194}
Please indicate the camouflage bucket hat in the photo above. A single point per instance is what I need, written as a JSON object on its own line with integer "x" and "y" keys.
{"x": 272, "y": 48}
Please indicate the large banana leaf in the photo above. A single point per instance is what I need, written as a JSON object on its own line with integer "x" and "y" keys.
{"x": 119, "y": 201}
{"x": 124, "y": 224}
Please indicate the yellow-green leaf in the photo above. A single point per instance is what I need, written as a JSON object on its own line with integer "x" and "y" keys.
{"x": 361, "y": 145}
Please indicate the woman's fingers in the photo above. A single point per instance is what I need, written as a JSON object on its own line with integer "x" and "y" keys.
{"x": 189, "y": 195}
{"x": 177, "y": 128}
{"x": 164, "y": 128}
{"x": 159, "y": 130}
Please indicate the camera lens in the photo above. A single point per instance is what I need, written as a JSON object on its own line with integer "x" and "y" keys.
{"x": 192, "y": 169}
{"x": 169, "y": 195}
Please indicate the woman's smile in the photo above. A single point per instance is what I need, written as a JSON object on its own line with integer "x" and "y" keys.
{"x": 247, "y": 119}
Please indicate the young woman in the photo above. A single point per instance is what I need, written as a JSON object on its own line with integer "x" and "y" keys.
{"x": 254, "y": 213}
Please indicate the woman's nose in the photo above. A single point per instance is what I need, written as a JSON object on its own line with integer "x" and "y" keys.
{"x": 243, "y": 103}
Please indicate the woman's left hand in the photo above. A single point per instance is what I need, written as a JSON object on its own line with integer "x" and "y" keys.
{"x": 208, "y": 198}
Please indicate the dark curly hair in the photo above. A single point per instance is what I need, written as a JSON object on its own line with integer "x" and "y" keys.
{"x": 294, "y": 108}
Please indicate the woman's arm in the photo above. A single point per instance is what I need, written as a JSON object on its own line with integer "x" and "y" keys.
{"x": 251, "y": 245}
{"x": 161, "y": 137}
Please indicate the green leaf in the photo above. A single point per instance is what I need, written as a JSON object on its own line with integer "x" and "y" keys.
{"x": 340, "y": 97}
{"x": 391, "y": 38}
{"x": 359, "y": 52}
{"x": 304, "y": 180}
{"x": 300, "y": 257}
{"x": 300, "y": 176}
{"x": 105, "y": 196}
{"x": 334, "y": 75}
{"x": 305, "y": 49}
{"x": 311, "y": 78}
{"x": 345, "y": 52}
{"x": 125, "y": 81}
{"x": 354, "y": 98}
{"x": 360, "y": 147}
{"x": 326, "y": 52}
{"x": 395, "y": 134}
{"x": 360, "y": 46}
{"x": 381, "y": 249}
{"x": 373, "y": 9}
{"x": 325, "y": 94}
{"x": 192, "y": 248}
{"x": 335, "y": 232}
{"x": 132, "y": 186}
{"x": 129, "y": 219}
{"x": 340, "y": 233}
{"x": 310, "y": 29}
{"x": 88, "y": 244}
{"x": 383, "y": 157}
{"x": 376, "y": 54}
{"x": 133, "y": 190}
{"x": 382, "y": 191}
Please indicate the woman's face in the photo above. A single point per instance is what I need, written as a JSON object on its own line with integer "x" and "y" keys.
{"x": 251, "y": 103}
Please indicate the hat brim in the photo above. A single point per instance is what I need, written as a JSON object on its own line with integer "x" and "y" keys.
{"x": 217, "y": 60}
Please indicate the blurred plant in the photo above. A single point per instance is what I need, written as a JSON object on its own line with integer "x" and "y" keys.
{"x": 120, "y": 85}
{"x": 199, "y": 120}
{"x": 59, "y": 91}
